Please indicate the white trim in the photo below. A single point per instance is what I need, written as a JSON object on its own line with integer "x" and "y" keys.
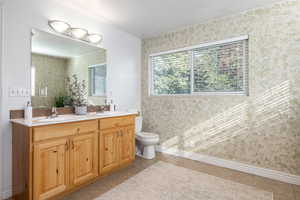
{"x": 96, "y": 65}
{"x": 200, "y": 94}
{"x": 150, "y": 77}
{"x": 6, "y": 194}
{"x": 192, "y": 72}
{"x": 1, "y": 92}
{"x": 268, "y": 173}
{"x": 245, "y": 69}
{"x": 235, "y": 39}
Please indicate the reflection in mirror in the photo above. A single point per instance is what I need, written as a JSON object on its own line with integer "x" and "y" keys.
{"x": 54, "y": 59}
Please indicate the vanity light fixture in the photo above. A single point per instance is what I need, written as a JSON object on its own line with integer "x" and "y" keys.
{"x": 59, "y": 26}
{"x": 78, "y": 33}
{"x": 94, "y": 38}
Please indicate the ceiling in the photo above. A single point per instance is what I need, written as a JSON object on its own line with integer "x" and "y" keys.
{"x": 148, "y": 18}
{"x": 59, "y": 46}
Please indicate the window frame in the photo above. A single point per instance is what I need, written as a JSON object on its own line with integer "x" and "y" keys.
{"x": 89, "y": 89}
{"x": 245, "y": 91}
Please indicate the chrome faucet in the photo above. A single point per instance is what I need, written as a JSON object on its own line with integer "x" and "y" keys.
{"x": 54, "y": 113}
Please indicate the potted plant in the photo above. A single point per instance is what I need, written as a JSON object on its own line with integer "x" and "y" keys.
{"x": 61, "y": 101}
{"x": 78, "y": 92}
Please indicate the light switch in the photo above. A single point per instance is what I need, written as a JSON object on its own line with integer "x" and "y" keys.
{"x": 27, "y": 92}
{"x": 19, "y": 92}
{"x": 12, "y": 92}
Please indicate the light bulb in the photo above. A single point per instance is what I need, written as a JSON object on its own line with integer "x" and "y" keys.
{"x": 59, "y": 26}
{"x": 79, "y": 33}
{"x": 94, "y": 38}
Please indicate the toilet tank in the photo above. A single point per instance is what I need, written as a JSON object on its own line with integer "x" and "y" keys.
{"x": 138, "y": 124}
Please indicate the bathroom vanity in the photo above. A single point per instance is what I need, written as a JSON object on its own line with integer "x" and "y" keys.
{"x": 53, "y": 157}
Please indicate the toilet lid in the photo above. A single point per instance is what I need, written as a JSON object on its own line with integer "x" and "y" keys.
{"x": 147, "y": 135}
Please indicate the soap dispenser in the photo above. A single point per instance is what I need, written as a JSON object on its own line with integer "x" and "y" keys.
{"x": 28, "y": 111}
{"x": 112, "y": 106}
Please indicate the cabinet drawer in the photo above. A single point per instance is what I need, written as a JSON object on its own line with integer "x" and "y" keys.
{"x": 86, "y": 126}
{"x": 116, "y": 122}
{"x": 63, "y": 130}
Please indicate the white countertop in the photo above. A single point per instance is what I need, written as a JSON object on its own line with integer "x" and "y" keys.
{"x": 41, "y": 121}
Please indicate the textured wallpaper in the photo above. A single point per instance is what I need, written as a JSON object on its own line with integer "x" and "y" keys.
{"x": 50, "y": 72}
{"x": 262, "y": 129}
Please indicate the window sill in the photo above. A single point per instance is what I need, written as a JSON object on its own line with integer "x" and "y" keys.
{"x": 202, "y": 94}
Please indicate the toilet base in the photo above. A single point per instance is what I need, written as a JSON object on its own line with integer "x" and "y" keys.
{"x": 149, "y": 152}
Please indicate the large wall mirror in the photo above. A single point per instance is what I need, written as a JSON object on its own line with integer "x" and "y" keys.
{"x": 54, "y": 59}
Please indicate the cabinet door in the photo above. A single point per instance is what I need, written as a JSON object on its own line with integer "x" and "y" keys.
{"x": 109, "y": 151}
{"x": 84, "y": 158}
{"x": 127, "y": 144}
{"x": 50, "y": 168}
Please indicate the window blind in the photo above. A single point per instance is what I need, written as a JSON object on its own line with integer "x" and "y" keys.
{"x": 220, "y": 67}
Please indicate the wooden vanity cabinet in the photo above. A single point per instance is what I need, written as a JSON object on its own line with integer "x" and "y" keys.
{"x": 127, "y": 144}
{"x": 83, "y": 158}
{"x": 117, "y": 143}
{"x": 65, "y": 156}
{"x": 50, "y": 165}
{"x": 52, "y": 160}
{"x": 109, "y": 153}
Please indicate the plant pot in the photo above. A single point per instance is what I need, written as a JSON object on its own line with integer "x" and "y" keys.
{"x": 80, "y": 110}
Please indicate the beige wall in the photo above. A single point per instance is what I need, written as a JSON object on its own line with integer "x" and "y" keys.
{"x": 262, "y": 129}
{"x": 50, "y": 73}
{"x": 79, "y": 66}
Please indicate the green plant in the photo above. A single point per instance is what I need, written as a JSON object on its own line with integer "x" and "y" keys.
{"x": 62, "y": 101}
{"x": 77, "y": 91}
{"x": 59, "y": 101}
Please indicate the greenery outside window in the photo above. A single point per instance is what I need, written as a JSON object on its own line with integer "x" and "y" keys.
{"x": 218, "y": 67}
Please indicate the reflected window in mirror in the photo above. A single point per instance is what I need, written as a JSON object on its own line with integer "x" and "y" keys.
{"x": 97, "y": 80}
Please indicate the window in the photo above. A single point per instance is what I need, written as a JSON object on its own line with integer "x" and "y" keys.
{"x": 219, "y": 67}
{"x": 97, "y": 80}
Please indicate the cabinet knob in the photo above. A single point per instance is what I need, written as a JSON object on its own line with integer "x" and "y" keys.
{"x": 78, "y": 129}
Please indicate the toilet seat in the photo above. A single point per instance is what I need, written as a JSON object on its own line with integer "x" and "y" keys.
{"x": 146, "y": 135}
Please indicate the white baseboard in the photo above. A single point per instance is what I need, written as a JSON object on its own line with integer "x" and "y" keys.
{"x": 6, "y": 194}
{"x": 268, "y": 173}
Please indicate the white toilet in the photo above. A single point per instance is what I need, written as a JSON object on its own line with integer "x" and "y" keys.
{"x": 145, "y": 142}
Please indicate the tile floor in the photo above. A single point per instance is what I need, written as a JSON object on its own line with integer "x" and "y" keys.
{"x": 282, "y": 191}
